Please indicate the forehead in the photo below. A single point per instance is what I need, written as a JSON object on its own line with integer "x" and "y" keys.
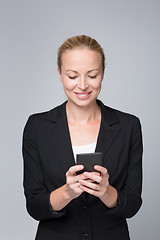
{"x": 80, "y": 58}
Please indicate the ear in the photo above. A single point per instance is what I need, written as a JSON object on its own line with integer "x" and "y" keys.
{"x": 102, "y": 76}
{"x": 59, "y": 73}
{"x": 103, "y": 73}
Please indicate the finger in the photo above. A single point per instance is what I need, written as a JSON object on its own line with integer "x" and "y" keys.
{"x": 90, "y": 180}
{"x": 101, "y": 169}
{"x": 93, "y": 177}
{"x": 89, "y": 190}
{"x": 96, "y": 173}
{"x": 72, "y": 170}
{"x": 75, "y": 186}
{"x": 89, "y": 184}
{"x": 76, "y": 178}
{"x": 75, "y": 189}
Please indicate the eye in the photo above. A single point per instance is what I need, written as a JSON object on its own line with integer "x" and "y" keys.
{"x": 72, "y": 77}
{"x": 93, "y": 76}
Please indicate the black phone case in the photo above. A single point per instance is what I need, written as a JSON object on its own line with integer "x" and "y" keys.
{"x": 89, "y": 160}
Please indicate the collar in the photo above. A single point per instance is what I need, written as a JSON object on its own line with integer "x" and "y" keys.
{"x": 108, "y": 114}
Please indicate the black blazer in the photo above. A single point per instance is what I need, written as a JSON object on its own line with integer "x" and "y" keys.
{"x": 48, "y": 155}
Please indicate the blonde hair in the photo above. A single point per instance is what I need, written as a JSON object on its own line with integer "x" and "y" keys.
{"x": 80, "y": 41}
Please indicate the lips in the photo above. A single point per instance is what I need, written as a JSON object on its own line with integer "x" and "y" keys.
{"x": 83, "y": 95}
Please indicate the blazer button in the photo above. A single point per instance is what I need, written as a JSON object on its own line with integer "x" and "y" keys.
{"x": 84, "y": 209}
{"x": 85, "y": 236}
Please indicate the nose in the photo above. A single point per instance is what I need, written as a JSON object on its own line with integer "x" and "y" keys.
{"x": 83, "y": 83}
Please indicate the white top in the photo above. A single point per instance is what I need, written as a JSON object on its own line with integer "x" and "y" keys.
{"x": 90, "y": 148}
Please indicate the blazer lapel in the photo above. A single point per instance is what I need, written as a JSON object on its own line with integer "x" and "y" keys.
{"x": 62, "y": 146}
{"x": 109, "y": 129}
{"x": 60, "y": 141}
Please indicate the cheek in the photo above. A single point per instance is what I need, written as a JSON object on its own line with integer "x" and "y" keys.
{"x": 97, "y": 85}
{"x": 68, "y": 85}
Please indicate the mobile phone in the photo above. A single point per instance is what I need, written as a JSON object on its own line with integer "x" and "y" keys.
{"x": 89, "y": 160}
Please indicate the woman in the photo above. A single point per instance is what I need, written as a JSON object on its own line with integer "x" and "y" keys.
{"x": 90, "y": 205}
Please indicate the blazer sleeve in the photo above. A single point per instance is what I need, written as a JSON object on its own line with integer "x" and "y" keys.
{"x": 35, "y": 190}
{"x": 129, "y": 197}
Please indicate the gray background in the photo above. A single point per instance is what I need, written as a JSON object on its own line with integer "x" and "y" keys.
{"x": 30, "y": 34}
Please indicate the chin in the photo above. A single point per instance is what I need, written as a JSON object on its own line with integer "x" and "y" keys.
{"x": 83, "y": 103}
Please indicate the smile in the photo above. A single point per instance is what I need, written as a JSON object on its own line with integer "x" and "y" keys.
{"x": 83, "y": 95}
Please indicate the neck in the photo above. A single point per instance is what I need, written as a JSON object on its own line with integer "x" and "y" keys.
{"x": 83, "y": 114}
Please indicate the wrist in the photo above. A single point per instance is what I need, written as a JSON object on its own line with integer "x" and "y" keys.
{"x": 59, "y": 198}
{"x": 110, "y": 197}
{"x": 66, "y": 194}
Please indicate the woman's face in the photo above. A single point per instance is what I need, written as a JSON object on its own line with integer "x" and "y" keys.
{"x": 81, "y": 75}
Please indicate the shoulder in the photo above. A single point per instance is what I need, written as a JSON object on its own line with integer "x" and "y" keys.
{"x": 51, "y": 114}
{"x": 129, "y": 124}
{"x": 116, "y": 115}
{"x": 41, "y": 119}
{"x": 128, "y": 120}
{"x": 124, "y": 116}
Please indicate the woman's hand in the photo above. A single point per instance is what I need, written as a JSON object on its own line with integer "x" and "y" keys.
{"x": 60, "y": 197}
{"x": 98, "y": 185}
{"x": 73, "y": 181}
{"x": 95, "y": 184}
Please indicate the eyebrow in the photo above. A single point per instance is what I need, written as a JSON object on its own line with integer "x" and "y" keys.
{"x": 69, "y": 70}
